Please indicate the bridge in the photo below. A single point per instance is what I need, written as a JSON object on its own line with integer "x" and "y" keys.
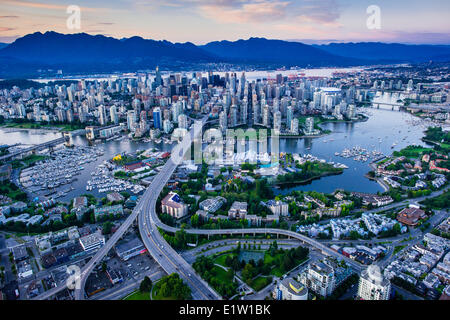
{"x": 45, "y": 145}
{"x": 33, "y": 149}
{"x": 170, "y": 260}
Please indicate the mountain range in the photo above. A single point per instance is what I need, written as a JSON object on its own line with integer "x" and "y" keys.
{"x": 81, "y": 53}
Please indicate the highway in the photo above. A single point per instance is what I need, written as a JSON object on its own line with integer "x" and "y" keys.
{"x": 33, "y": 148}
{"x": 161, "y": 251}
{"x": 87, "y": 269}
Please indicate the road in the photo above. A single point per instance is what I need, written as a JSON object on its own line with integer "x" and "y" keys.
{"x": 155, "y": 243}
{"x": 160, "y": 250}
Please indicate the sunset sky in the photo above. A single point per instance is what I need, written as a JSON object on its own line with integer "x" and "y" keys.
{"x": 201, "y": 21}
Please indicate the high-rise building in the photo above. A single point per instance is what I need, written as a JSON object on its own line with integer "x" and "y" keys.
{"x": 351, "y": 111}
{"x": 289, "y": 116}
{"x": 319, "y": 277}
{"x": 410, "y": 85}
{"x": 158, "y": 79}
{"x": 265, "y": 115}
{"x": 102, "y": 115}
{"x": 277, "y": 121}
{"x": 182, "y": 121}
{"x": 294, "y": 126}
{"x": 69, "y": 115}
{"x": 373, "y": 286}
{"x": 309, "y": 126}
{"x": 244, "y": 112}
{"x": 233, "y": 116}
{"x": 167, "y": 126}
{"x": 290, "y": 289}
{"x": 114, "y": 115}
{"x": 157, "y": 118}
{"x": 131, "y": 120}
{"x": 223, "y": 121}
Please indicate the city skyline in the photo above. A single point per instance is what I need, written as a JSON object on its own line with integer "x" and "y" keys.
{"x": 201, "y": 21}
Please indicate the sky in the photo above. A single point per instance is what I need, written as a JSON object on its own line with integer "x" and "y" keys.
{"x": 202, "y": 21}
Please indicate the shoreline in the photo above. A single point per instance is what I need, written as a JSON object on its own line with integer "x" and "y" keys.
{"x": 379, "y": 181}
{"x": 306, "y": 181}
{"x": 43, "y": 130}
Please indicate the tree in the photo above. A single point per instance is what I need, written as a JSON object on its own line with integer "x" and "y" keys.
{"x": 107, "y": 227}
{"x": 146, "y": 285}
{"x": 248, "y": 272}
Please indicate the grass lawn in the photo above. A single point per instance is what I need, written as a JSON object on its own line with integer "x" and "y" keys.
{"x": 221, "y": 259}
{"x": 411, "y": 152}
{"x": 137, "y": 295}
{"x": 156, "y": 296}
{"x": 398, "y": 249}
{"x": 277, "y": 270}
{"x": 29, "y": 125}
{"x": 221, "y": 274}
{"x": 16, "y": 164}
{"x": 260, "y": 283}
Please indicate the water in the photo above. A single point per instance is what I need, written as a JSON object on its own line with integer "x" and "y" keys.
{"x": 27, "y": 137}
{"x": 390, "y": 126}
{"x": 110, "y": 148}
{"x": 250, "y": 75}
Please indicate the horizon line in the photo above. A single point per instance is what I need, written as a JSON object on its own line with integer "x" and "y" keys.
{"x": 303, "y": 41}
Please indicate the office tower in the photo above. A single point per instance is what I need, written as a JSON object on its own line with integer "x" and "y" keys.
{"x": 158, "y": 79}
{"x": 233, "y": 84}
{"x": 157, "y": 118}
{"x": 373, "y": 286}
{"x": 243, "y": 81}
